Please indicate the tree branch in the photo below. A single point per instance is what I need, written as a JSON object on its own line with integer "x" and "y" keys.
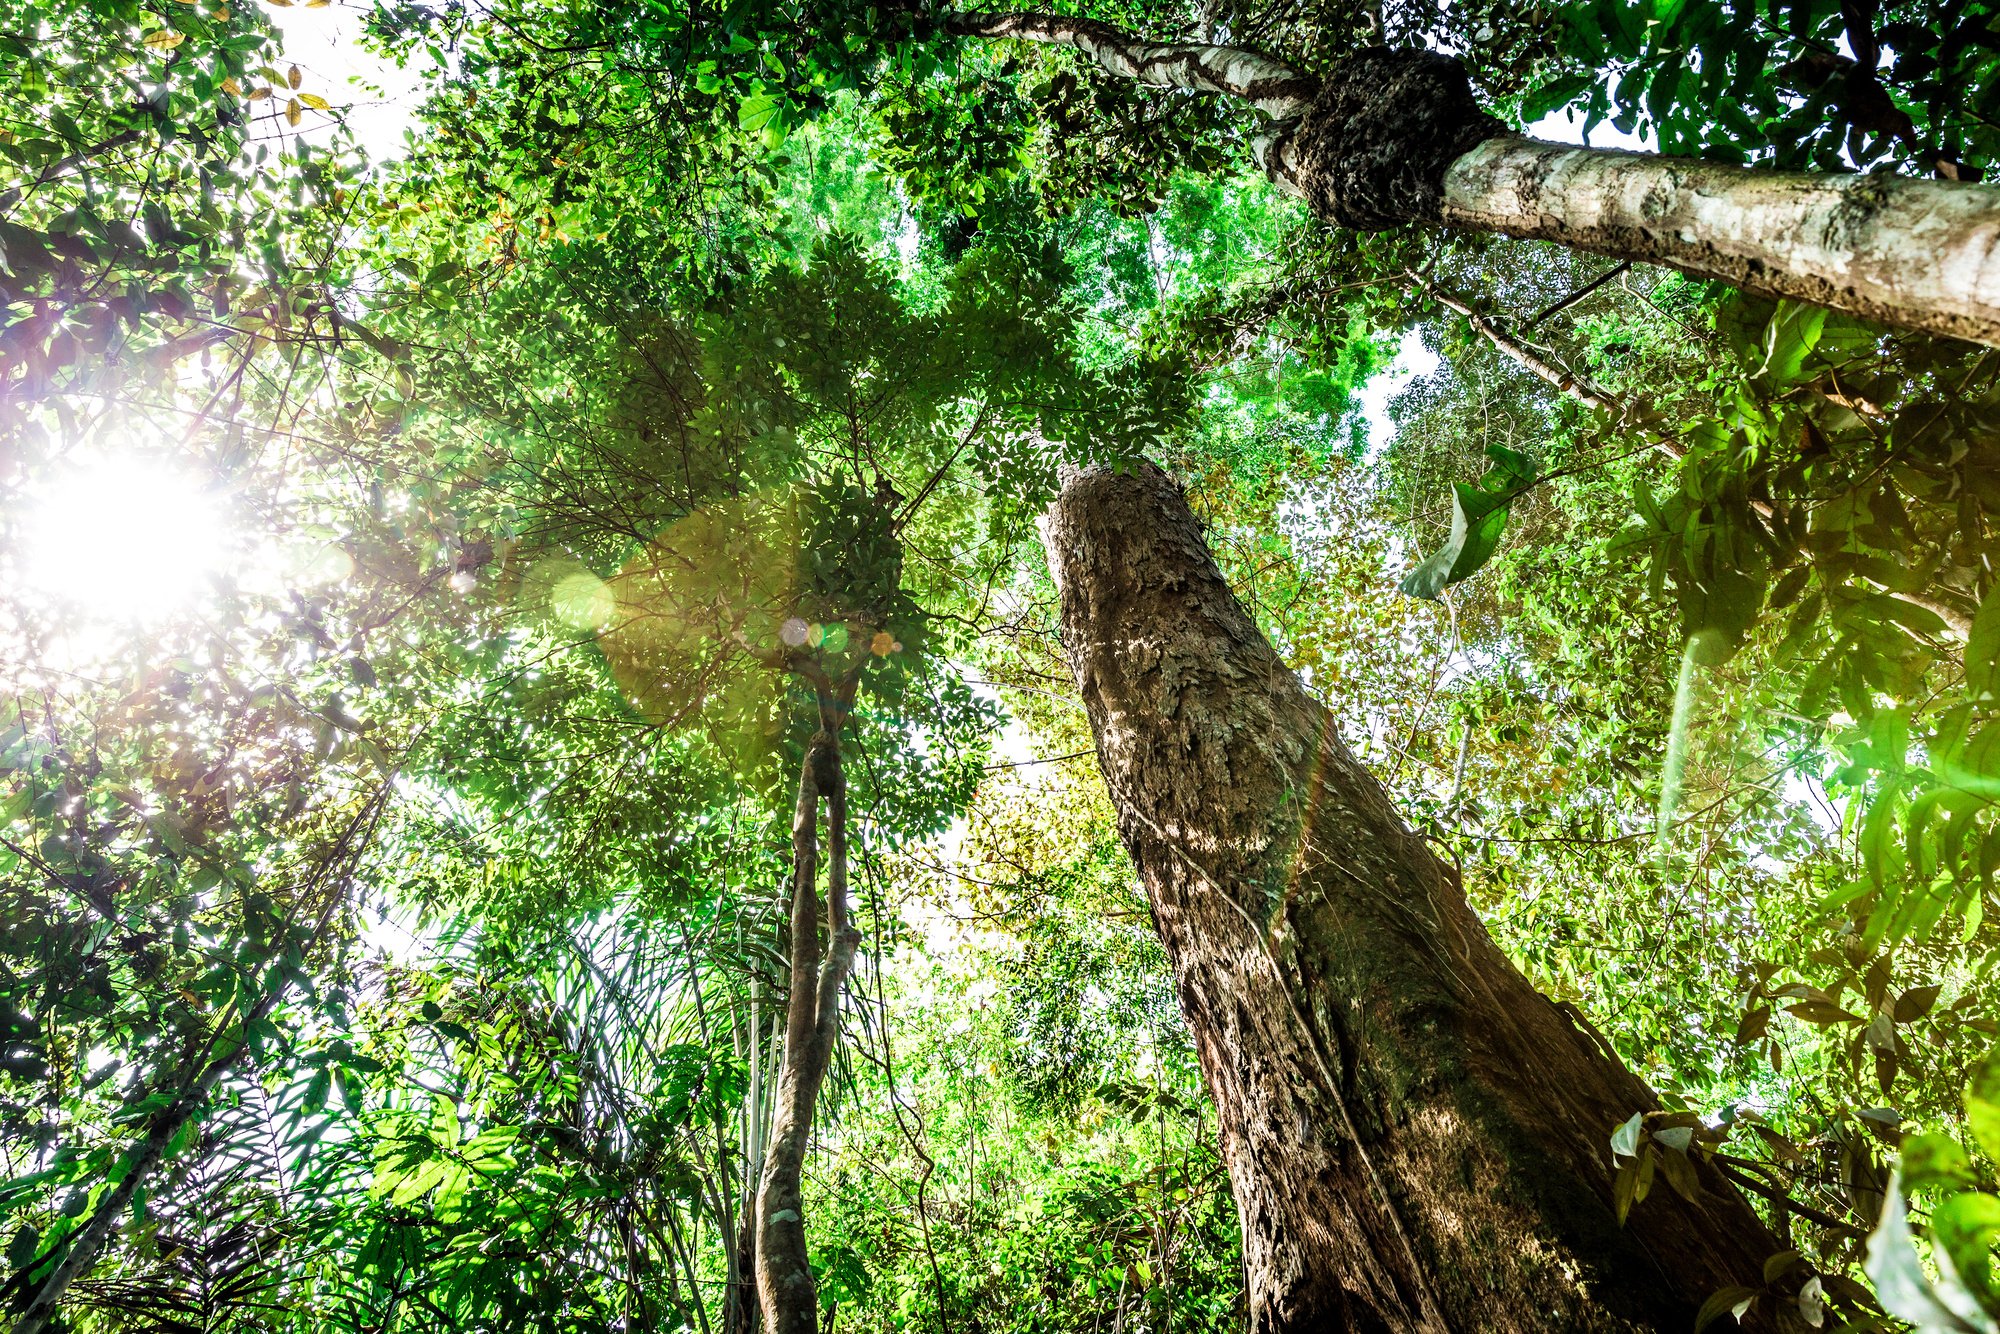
{"x": 1278, "y": 90}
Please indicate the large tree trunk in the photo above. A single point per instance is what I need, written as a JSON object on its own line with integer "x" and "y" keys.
{"x": 1391, "y": 137}
{"x": 1417, "y": 1139}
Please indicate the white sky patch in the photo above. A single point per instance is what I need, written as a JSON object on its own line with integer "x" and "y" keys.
{"x": 377, "y": 99}
{"x": 125, "y": 536}
{"x": 1564, "y": 126}
{"x": 908, "y": 238}
{"x": 1413, "y": 361}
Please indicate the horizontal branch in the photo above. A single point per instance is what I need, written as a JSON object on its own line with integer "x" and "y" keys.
{"x": 1273, "y": 87}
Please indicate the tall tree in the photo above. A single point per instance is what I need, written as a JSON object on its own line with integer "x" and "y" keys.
{"x": 1417, "y": 1140}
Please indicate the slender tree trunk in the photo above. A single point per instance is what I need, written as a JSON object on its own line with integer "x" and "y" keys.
{"x": 1391, "y": 137}
{"x": 785, "y": 1286}
{"x": 1416, "y": 1138}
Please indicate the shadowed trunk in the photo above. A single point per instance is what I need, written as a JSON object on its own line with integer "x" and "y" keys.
{"x": 1416, "y": 1138}
{"x": 1395, "y": 136}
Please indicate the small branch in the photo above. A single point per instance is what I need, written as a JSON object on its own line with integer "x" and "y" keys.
{"x": 1957, "y": 621}
{"x": 1581, "y": 292}
{"x": 1053, "y": 759}
{"x": 1775, "y": 1196}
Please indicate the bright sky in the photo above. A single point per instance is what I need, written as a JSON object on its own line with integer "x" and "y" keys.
{"x": 379, "y": 100}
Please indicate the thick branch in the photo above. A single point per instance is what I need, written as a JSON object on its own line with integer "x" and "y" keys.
{"x": 1273, "y": 87}
{"x": 1921, "y": 254}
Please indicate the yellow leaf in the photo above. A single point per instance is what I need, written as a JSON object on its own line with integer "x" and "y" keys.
{"x": 259, "y": 94}
{"x": 292, "y": 112}
{"x": 166, "y": 39}
{"x": 315, "y": 101}
{"x": 294, "y": 78}
{"x": 231, "y": 86}
{"x": 282, "y": 4}
{"x": 221, "y": 15}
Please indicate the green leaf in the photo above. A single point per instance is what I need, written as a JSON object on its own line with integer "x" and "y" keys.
{"x": 1982, "y": 1103}
{"x": 22, "y": 1249}
{"x": 1734, "y": 1300}
{"x": 1902, "y": 1286}
{"x": 1679, "y": 1171}
{"x": 1789, "y": 339}
{"x": 1477, "y": 520}
{"x": 1552, "y": 96}
{"x": 1982, "y": 650}
{"x": 1966, "y": 1226}
{"x": 757, "y": 111}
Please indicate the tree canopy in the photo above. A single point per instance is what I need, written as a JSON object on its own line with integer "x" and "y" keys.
{"x": 492, "y": 631}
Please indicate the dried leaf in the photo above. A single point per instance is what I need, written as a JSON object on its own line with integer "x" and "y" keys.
{"x": 292, "y": 112}
{"x": 1915, "y": 1003}
{"x": 1822, "y": 1012}
{"x": 1680, "y": 1174}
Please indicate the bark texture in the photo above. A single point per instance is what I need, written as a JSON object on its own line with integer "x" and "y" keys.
{"x": 1373, "y": 149}
{"x": 1921, "y": 254}
{"x": 1416, "y": 1138}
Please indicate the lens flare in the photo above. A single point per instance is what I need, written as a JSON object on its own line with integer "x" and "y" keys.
{"x": 126, "y": 539}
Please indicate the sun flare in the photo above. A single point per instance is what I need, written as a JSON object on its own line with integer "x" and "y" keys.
{"x": 127, "y": 538}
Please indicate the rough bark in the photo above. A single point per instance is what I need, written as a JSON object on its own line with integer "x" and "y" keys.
{"x": 1921, "y": 254}
{"x": 1389, "y": 137}
{"x": 1416, "y": 1138}
{"x": 785, "y": 1287}
{"x": 1372, "y": 150}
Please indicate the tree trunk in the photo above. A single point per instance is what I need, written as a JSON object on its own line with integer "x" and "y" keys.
{"x": 1416, "y": 1138}
{"x": 785, "y": 1287}
{"x": 1391, "y": 137}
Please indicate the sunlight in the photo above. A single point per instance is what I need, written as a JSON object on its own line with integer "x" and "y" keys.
{"x": 128, "y": 538}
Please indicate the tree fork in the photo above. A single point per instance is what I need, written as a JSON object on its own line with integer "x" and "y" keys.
{"x": 1417, "y": 1139}
{"x": 1389, "y": 137}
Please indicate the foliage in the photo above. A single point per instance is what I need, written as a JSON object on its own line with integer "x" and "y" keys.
{"x": 1802, "y": 83}
{"x": 416, "y": 896}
